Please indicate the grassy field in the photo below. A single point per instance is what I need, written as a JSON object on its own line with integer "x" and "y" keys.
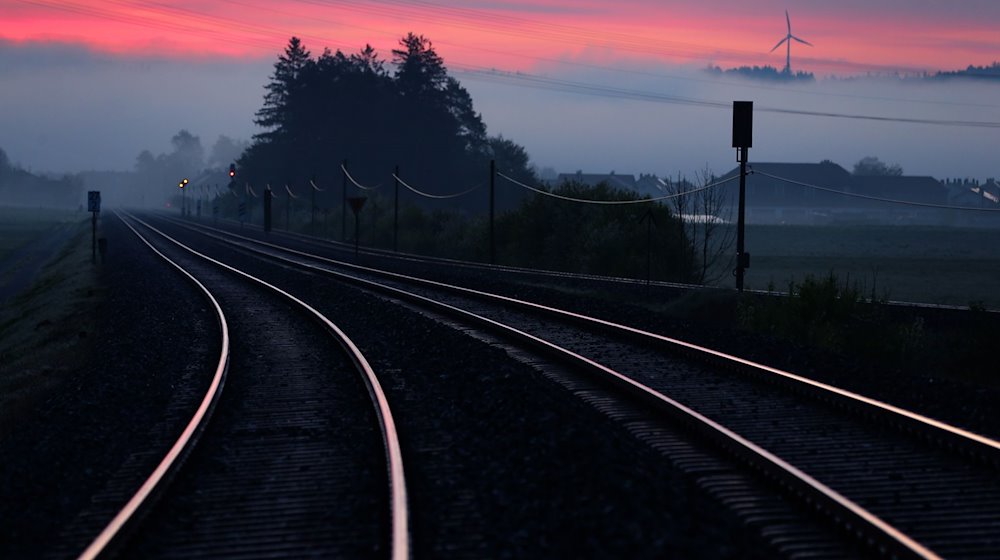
{"x": 953, "y": 266}
{"x": 20, "y": 226}
{"x": 47, "y": 331}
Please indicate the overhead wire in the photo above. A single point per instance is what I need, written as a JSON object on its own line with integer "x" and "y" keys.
{"x": 355, "y": 183}
{"x": 615, "y": 202}
{"x": 583, "y": 88}
{"x": 211, "y": 23}
{"x": 435, "y": 196}
{"x": 494, "y": 23}
{"x": 290, "y": 193}
{"x": 874, "y": 198}
{"x": 489, "y": 25}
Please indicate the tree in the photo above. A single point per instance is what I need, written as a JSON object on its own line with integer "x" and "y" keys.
{"x": 368, "y": 62}
{"x": 5, "y": 167}
{"x": 871, "y": 165}
{"x": 713, "y": 237}
{"x": 420, "y": 72}
{"x": 225, "y": 151}
{"x": 512, "y": 160}
{"x": 555, "y": 234}
{"x": 320, "y": 111}
{"x": 273, "y": 115}
{"x": 188, "y": 156}
{"x": 702, "y": 220}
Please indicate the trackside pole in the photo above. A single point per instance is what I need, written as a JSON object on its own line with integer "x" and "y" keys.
{"x": 493, "y": 242}
{"x": 395, "y": 219}
{"x": 357, "y": 203}
{"x": 343, "y": 203}
{"x": 312, "y": 220}
{"x": 742, "y": 140}
{"x": 268, "y": 196}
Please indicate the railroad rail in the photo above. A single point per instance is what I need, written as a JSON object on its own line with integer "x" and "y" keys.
{"x": 349, "y": 249}
{"x": 138, "y": 512}
{"x": 905, "y": 482}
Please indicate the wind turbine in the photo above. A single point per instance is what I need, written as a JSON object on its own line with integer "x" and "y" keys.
{"x": 788, "y": 45}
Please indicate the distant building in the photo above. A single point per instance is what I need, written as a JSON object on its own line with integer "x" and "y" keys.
{"x": 971, "y": 194}
{"x": 650, "y": 185}
{"x": 794, "y": 197}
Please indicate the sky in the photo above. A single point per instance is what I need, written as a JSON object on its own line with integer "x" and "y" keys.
{"x": 583, "y": 85}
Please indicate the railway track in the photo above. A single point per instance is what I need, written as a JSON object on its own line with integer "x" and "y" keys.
{"x": 901, "y": 483}
{"x": 299, "y": 445}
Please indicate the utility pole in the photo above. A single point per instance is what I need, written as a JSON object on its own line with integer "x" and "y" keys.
{"x": 268, "y": 197}
{"x": 312, "y": 222}
{"x": 493, "y": 243}
{"x": 395, "y": 219}
{"x": 650, "y": 222}
{"x": 343, "y": 203}
{"x": 742, "y": 140}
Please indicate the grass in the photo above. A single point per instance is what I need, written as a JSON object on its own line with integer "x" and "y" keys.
{"x": 952, "y": 266}
{"x": 47, "y": 333}
{"x": 19, "y": 226}
{"x": 831, "y": 314}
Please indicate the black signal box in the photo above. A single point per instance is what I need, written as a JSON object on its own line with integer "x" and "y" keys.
{"x": 742, "y": 124}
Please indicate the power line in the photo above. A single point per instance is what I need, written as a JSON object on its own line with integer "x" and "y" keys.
{"x": 435, "y": 196}
{"x": 357, "y": 184}
{"x": 614, "y": 202}
{"x": 209, "y": 26}
{"x": 552, "y": 84}
{"x": 875, "y": 198}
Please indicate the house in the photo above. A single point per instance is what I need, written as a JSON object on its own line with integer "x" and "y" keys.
{"x": 916, "y": 198}
{"x": 650, "y": 185}
{"x": 826, "y": 192}
{"x": 776, "y": 191}
{"x": 970, "y": 194}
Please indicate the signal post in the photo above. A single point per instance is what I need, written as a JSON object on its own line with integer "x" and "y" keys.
{"x": 742, "y": 140}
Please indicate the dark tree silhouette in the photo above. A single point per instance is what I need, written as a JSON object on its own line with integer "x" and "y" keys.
{"x": 320, "y": 111}
{"x": 278, "y": 99}
{"x": 22, "y": 188}
{"x": 420, "y": 72}
{"x": 871, "y": 165}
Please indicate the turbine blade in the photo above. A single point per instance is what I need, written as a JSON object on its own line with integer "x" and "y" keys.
{"x": 788, "y": 20}
{"x": 804, "y": 42}
{"x": 779, "y": 44}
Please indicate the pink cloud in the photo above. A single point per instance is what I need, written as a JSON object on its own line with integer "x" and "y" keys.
{"x": 513, "y": 34}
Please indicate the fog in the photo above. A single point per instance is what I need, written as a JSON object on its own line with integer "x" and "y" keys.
{"x": 572, "y": 132}
{"x": 64, "y": 110}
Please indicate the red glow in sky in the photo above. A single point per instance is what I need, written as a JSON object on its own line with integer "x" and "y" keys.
{"x": 850, "y": 36}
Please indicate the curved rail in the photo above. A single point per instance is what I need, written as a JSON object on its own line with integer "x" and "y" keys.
{"x": 188, "y": 437}
{"x": 986, "y": 447}
{"x": 991, "y": 446}
{"x": 852, "y": 514}
{"x": 855, "y": 514}
{"x": 399, "y": 513}
{"x": 413, "y": 257}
